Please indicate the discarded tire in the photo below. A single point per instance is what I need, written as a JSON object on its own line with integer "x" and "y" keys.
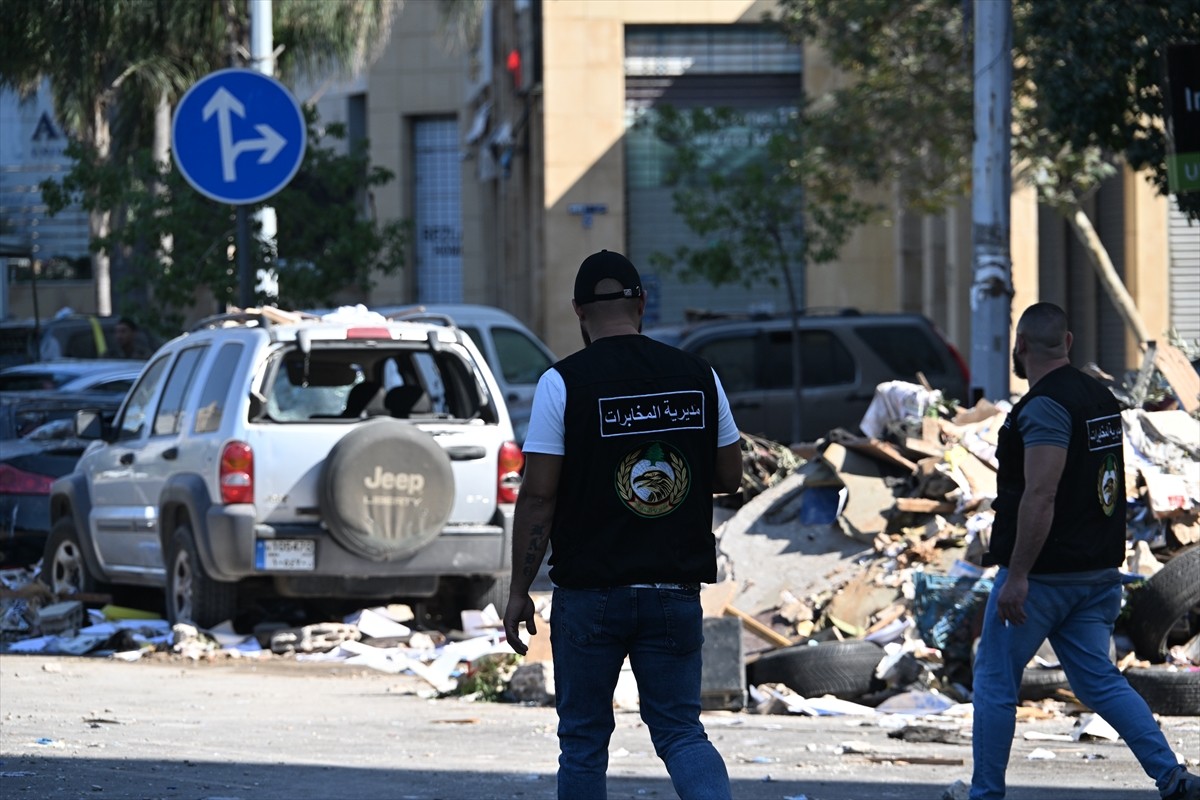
{"x": 843, "y": 669}
{"x": 1167, "y": 596}
{"x": 386, "y": 490}
{"x": 1038, "y": 683}
{"x": 1173, "y": 693}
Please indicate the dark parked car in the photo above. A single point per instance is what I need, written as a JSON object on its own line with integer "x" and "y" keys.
{"x": 37, "y": 445}
{"x": 845, "y": 355}
{"x": 70, "y": 336}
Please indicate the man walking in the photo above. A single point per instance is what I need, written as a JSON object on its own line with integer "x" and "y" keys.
{"x": 627, "y": 442}
{"x": 1059, "y": 536}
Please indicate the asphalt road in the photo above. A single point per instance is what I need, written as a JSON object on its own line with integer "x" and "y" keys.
{"x": 282, "y": 730}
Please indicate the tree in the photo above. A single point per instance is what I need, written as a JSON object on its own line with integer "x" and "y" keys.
{"x": 87, "y": 52}
{"x": 111, "y": 65}
{"x": 747, "y": 205}
{"x": 1087, "y": 94}
{"x": 1093, "y": 96}
{"x": 327, "y": 241}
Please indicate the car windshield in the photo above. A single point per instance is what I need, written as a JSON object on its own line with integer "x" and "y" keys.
{"x": 351, "y": 383}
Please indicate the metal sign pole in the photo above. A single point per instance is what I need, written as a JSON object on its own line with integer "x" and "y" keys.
{"x": 991, "y": 191}
{"x": 245, "y": 280}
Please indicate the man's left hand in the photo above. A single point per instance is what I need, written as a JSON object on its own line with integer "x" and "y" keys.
{"x": 519, "y": 609}
{"x": 1010, "y": 603}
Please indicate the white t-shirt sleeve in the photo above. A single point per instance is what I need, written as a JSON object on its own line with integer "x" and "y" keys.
{"x": 727, "y": 431}
{"x": 545, "y": 434}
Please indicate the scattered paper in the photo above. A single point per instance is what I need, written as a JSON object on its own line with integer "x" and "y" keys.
{"x": 376, "y": 624}
{"x": 1094, "y": 726}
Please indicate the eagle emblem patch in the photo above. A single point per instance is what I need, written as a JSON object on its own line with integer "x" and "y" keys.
{"x": 1106, "y": 485}
{"x": 653, "y": 479}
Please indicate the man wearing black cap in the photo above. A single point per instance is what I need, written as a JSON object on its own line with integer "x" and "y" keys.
{"x": 627, "y": 442}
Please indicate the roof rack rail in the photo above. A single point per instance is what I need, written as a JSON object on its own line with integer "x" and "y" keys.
{"x": 263, "y": 317}
{"x": 708, "y": 315}
{"x": 419, "y": 314}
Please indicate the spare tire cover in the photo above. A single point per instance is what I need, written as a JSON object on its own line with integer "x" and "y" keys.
{"x": 386, "y": 490}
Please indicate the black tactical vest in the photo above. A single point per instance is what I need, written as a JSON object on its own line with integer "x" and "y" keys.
{"x": 635, "y": 494}
{"x": 1088, "y": 529}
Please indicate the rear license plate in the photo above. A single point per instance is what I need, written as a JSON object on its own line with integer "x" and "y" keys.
{"x": 294, "y": 555}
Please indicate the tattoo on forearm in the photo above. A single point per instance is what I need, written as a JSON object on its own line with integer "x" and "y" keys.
{"x": 537, "y": 543}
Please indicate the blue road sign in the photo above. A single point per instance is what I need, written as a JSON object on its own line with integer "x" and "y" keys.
{"x": 238, "y": 136}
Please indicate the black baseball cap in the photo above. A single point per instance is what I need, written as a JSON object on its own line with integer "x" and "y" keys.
{"x": 606, "y": 264}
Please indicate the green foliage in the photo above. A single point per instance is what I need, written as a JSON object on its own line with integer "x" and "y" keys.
{"x": 111, "y": 63}
{"x": 904, "y": 115}
{"x": 488, "y": 678}
{"x": 1093, "y": 90}
{"x": 1087, "y": 91}
{"x": 741, "y": 185}
{"x": 326, "y": 243}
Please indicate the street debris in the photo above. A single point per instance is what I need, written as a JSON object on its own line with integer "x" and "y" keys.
{"x": 850, "y": 569}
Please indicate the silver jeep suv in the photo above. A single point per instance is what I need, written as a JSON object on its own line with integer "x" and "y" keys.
{"x": 283, "y": 454}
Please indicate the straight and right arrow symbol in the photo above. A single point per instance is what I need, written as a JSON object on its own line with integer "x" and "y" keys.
{"x": 223, "y": 103}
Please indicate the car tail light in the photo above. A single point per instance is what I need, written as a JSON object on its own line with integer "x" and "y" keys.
{"x": 368, "y": 333}
{"x": 15, "y": 481}
{"x": 237, "y": 473}
{"x": 508, "y": 472}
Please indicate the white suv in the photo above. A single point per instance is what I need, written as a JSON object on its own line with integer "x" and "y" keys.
{"x": 291, "y": 455}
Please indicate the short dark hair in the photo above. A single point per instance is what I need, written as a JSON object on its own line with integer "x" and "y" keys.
{"x": 1044, "y": 326}
{"x": 133, "y": 326}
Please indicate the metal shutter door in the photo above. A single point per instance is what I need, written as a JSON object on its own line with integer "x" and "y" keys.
{"x": 1184, "y": 245}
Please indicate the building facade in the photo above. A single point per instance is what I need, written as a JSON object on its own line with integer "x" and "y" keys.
{"x": 519, "y": 153}
{"x": 554, "y": 165}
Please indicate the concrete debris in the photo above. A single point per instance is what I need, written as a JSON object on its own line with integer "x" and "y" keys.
{"x": 959, "y": 790}
{"x": 319, "y": 638}
{"x": 1142, "y": 560}
{"x": 189, "y": 642}
{"x": 929, "y": 734}
{"x": 533, "y": 683}
{"x": 897, "y": 558}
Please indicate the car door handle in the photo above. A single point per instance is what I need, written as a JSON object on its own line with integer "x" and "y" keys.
{"x": 466, "y": 452}
{"x": 171, "y": 453}
{"x": 126, "y": 458}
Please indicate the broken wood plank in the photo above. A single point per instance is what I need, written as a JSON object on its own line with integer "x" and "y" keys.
{"x": 762, "y": 631}
{"x": 923, "y": 505}
{"x": 1175, "y": 367}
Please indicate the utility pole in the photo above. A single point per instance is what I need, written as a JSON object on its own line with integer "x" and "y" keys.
{"x": 991, "y": 194}
{"x": 262, "y": 59}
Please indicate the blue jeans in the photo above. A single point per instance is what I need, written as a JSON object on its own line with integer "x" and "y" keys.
{"x": 591, "y": 632}
{"x": 1078, "y": 619}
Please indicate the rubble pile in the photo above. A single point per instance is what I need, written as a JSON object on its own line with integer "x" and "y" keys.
{"x": 917, "y": 503}
{"x": 852, "y": 582}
